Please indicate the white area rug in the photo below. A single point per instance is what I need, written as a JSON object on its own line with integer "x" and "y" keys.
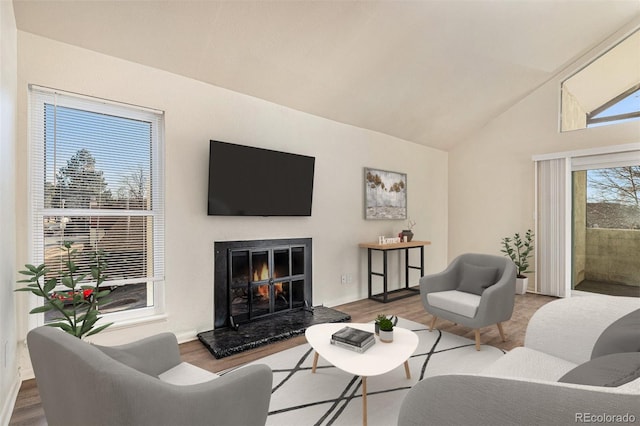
{"x": 333, "y": 397}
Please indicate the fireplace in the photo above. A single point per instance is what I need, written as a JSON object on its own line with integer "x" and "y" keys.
{"x": 260, "y": 278}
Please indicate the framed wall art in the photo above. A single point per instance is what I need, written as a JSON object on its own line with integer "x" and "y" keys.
{"x": 385, "y": 194}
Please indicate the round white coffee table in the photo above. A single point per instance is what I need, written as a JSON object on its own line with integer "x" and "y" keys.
{"x": 378, "y": 359}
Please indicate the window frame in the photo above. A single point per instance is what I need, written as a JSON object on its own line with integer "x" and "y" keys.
{"x": 572, "y": 115}
{"x": 38, "y": 96}
{"x": 591, "y": 116}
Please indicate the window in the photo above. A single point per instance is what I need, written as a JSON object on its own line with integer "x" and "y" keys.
{"x": 623, "y": 107}
{"x": 606, "y": 91}
{"x": 96, "y": 181}
{"x": 613, "y": 197}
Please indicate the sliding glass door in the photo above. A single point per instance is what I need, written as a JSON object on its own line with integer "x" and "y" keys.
{"x": 606, "y": 225}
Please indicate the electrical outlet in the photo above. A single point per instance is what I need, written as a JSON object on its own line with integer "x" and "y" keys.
{"x": 349, "y": 278}
{"x": 343, "y": 279}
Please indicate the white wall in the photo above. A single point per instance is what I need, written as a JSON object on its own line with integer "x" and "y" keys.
{"x": 9, "y": 380}
{"x": 491, "y": 175}
{"x": 197, "y": 112}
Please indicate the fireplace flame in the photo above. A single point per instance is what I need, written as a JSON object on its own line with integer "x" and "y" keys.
{"x": 262, "y": 273}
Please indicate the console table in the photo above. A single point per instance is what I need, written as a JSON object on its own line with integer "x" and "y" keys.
{"x": 386, "y": 295}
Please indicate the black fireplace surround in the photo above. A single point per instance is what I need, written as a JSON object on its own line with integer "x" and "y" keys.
{"x": 259, "y": 278}
{"x": 262, "y": 294}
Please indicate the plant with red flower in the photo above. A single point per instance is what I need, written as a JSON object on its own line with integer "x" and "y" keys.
{"x": 78, "y": 306}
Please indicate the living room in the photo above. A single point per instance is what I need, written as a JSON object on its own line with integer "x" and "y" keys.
{"x": 466, "y": 190}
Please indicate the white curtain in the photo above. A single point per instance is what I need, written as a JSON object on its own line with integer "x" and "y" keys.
{"x": 552, "y": 259}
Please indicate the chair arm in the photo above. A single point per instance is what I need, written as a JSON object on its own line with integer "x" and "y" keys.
{"x": 497, "y": 301}
{"x": 152, "y": 355}
{"x": 441, "y": 281}
{"x": 569, "y": 328}
{"x": 240, "y": 397}
{"x": 492, "y": 401}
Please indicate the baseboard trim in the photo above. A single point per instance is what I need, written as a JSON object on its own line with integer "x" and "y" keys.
{"x": 10, "y": 402}
{"x": 27, "y": 373}
{"x": 186, "y": 336}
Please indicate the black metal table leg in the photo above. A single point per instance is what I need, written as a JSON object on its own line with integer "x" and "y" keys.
{"x": 369, "y": 269}
{"x": 384, "y": 275}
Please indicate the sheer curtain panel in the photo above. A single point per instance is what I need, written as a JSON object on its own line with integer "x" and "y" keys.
{"x": 552, "y": 200}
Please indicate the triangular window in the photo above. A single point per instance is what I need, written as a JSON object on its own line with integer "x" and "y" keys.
{"x": 624, "y": 107}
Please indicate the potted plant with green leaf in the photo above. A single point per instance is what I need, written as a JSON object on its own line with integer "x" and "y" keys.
{"x": 77, "y": 307}
{"x": 519, "y": 249}
{"x": 386, "y": 329}
{"x": 379, "y": 318}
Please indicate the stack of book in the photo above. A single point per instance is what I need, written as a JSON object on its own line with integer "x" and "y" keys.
{"x": 353, "y": 339}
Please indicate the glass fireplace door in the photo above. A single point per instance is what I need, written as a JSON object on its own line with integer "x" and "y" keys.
{"x": 264, "y": 281}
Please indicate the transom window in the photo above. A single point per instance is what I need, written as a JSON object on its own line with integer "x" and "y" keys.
{"x": 96, "y": 181}
{"x": 621, "y": 108}
{"x": 605, "y": 91}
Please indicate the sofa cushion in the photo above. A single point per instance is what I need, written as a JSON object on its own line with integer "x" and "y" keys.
{"x": 632, "y": 386}
{"x": 610, "y": 370}
{"x": 474, "y": 279}
{"x": 622, "y": 335}
{"x": 458, "y": 302}
{"x": 185, "y": 374}
{"x": 528, "y": 364}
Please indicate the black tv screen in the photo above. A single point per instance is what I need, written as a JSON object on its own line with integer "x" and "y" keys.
{"x": 248, "y": 181}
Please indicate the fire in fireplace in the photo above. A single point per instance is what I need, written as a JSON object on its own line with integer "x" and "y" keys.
{"x": 259, "y": 278}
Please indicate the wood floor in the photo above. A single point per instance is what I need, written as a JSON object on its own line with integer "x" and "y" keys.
{"x": 28, "y": 410}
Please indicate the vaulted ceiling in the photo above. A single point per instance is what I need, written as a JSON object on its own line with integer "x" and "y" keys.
{"x": 432, "y": 72}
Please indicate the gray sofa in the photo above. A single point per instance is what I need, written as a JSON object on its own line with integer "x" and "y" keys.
{"x": 543, "y": 383}
{"x": 142, "y": 383}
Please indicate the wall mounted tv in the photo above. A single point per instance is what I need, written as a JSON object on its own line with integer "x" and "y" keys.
{"x": 248, "y": 181}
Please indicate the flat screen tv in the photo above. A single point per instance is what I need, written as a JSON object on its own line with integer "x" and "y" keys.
{"x": 249, "y": 181}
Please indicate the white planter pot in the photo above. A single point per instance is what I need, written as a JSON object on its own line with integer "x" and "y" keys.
{"x": 386, "y": 336}
{"x": 521, "y": 285}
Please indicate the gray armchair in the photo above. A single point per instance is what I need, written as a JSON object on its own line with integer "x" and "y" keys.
{"x": 476, "y": 290}
{"x": 142, "y": 383}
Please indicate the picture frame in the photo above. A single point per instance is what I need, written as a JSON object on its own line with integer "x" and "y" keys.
{"x": 385, "y": 194}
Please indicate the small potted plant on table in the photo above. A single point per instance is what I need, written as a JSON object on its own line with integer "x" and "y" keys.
{"x": 386, "y": 329}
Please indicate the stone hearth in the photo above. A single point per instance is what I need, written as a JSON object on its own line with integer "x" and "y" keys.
{"x": 229, "y": 341}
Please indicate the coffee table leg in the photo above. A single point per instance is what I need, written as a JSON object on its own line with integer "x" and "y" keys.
{"x": 315, "y": 362}
{"x": 406, "y": 369}
{"x": 364, "y": 401}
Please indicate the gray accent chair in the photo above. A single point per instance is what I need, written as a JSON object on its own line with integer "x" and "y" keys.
{"x": 141, "y": 383}
{"x": 476, "y": 290}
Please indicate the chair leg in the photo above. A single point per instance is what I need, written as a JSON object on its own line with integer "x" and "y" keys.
{"x": 477, "y": 330}
{"x": 504, "y": 339}
{"x": 433, "y": 323}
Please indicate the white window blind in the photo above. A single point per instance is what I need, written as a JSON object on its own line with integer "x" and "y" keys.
{"x": 552, "y": 227}
{"x": 96, "y": 170}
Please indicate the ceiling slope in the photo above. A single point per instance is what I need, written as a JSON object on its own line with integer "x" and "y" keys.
{"x": 431, "y": 72}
